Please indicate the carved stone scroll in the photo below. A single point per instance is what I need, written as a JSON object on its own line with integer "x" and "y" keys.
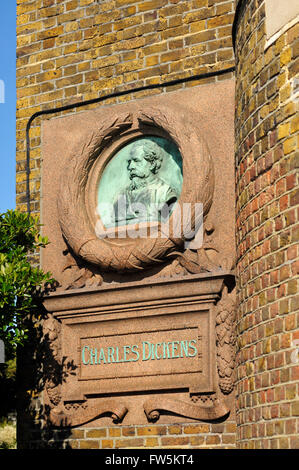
{"x": 61, "y": 417}
{"x": 212, "y": 409}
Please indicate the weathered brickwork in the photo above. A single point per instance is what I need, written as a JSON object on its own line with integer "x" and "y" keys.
{"x": 75, "y": 50}
{"x": 202, "y": 435}
{"x": 267, "y": 137}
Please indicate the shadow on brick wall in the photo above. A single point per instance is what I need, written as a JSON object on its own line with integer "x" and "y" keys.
{"x": 40, "y": 368}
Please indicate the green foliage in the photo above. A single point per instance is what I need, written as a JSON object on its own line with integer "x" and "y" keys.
{"x": 21, "y": 284}
{"x": 7, "y": 435}
{"x": 8, "y": 386}
{"x": 11, "y": 367}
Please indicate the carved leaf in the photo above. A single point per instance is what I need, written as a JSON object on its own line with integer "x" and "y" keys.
{"x": 73, "y": 219}
{"x": 226, "y": 339}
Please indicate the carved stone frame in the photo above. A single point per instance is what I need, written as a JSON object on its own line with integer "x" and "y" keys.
{"x": 88, "y": 160}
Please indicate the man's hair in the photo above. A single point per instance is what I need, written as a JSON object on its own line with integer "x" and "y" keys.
{"x": 152, "y": 152}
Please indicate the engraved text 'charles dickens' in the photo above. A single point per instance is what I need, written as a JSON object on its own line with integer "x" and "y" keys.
{"x": 138, "y": 351}
{"x": 132, "y": 353}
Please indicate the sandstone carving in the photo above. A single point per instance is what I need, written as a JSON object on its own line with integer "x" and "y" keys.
{"x": 52, "y": 347}
{"x": 88, "y": 161}
{"x": 226, "y": 341}
{"x": 212, "y": 408}
{"x": 61, "y": 416}
{"x": 77, "y": 274}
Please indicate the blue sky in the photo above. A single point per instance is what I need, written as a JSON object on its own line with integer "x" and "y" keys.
{"x": 7, "y": 109}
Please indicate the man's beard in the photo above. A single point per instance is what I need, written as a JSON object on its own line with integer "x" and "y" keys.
{"x": 138, "y": 182}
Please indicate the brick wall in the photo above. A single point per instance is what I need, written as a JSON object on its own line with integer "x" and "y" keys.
{"x": 74, "y": 50}
{"x": 267, "y": 136}
{"x": 209, "y": 436}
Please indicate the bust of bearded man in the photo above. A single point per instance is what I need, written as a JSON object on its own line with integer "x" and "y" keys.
{"x": 147, "y": 196}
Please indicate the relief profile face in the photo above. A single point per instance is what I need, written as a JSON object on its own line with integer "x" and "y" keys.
{"x": 138, "y": 165}
{"x": 141, "y": 182}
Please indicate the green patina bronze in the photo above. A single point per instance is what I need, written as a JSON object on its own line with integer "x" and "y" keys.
{"x": 141, "y": 183}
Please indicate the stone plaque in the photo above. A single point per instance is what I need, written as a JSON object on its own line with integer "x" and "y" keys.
{"x": 156, "y": 355}
{"x": 163, "y": 345}
{"x": 141, "y": 326}
{"x": 134, "y": 354}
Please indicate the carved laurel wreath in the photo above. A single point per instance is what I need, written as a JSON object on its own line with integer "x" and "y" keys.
{"x": 77, "y": 223}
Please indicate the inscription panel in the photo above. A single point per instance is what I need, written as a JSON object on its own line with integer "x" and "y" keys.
{"x": 133, "y": 360}
{"x": 166, "y": 352}
{"x": 169, "y": 351}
